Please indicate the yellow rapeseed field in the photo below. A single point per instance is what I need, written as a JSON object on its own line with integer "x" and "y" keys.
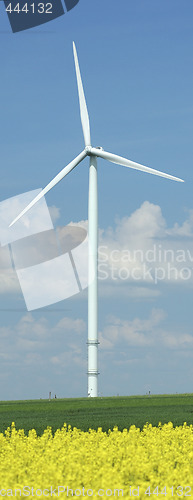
{"x": 154, "y": 462}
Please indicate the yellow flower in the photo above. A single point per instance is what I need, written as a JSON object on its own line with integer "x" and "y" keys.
{"x": 156, "y": 459}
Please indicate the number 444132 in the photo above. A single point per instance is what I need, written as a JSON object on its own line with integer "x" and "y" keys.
{"x": 178, "y": 491}
{"x": 40, "y": 8}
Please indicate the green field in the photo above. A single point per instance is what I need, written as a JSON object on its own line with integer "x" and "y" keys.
{"x": 92, "y": 413}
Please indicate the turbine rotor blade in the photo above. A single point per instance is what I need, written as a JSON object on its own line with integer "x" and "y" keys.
{"x": 82, "y": 101}
{"x": 51, "y": 184}
{"x": 131, "y": 164}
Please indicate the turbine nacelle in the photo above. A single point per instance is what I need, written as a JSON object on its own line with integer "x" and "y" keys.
{"x": 89, "y": 150}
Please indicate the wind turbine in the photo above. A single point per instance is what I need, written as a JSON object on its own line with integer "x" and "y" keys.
{"x": 93, "y": 153}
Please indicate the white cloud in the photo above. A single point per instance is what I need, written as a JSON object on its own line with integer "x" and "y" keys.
{"x": 142, "y": 332}
{"x": 141, "y": 249}
{"x": 37, "y": 338}
{"x": 5, "y": 258}
{"x": 126, "y": 290}
{"x": 145, "y": 223}
{"x": 136, "y": 333}
{"x": 82, "y": 224}
{"x": 186, "y": 229}
{"x": 69, "y": 324}
{"x": 75, "y": 358}
{"x": 28, "y": 326}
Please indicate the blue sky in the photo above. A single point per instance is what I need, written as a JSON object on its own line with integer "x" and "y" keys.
{"x": 136, "y": 65}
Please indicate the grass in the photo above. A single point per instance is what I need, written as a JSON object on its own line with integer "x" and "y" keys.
{"x": 92, "y": 413}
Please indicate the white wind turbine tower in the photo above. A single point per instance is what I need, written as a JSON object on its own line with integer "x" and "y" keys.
{"x": 93, "y": 153}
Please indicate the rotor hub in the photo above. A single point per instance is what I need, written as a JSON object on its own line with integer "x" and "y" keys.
{"x": 88, "y": 150}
